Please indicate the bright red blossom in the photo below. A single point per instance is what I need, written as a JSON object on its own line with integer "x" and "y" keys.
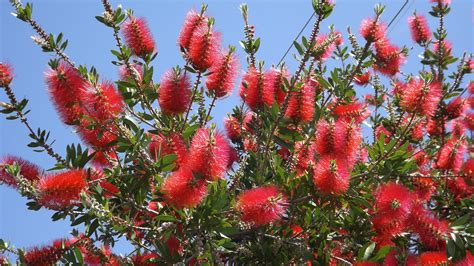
{"x": 204, "y": 47}
{"x": 301, "y": 103}
{"x": 175, "y": 93}
{"x": 262, "y": 205}
{"x": 183, "y": 190}
{"x": 272, "y": 87}
{"x": 450, "y": 156}
{"x": 209, "y": 154}
{"x": 60, "y": 190}
{"x": 28, "y": 170}
{"x": 445, "y": 45}
{"x": 421, "y": 98}
{"x": 46, "y": 255}
{"x": 165, "y": 145}
{"x": 331, "y": 175}
{"x": 252, "y": 88}
{"x": 233, "y": 127}
{"x": 420, "y": 31}
{"x": 456, "y": 107}
{"x": 126, "y": 75}
{"x": 431, "y": 229}
{"x": 394, "y": 199}
{"x": 372, "y": 30}
{"x": 193, "y": 21}
{"x": 6, "y": 74}
{"x": 433, "y": 258}
{"x": 104, "y": 102}
{"x": 99, "y": 136}
{"x": 355, "y": 110}
{"x": 138, "y": 36}
{"x": 362, "y": 79}
{"x": 389, "y": 57}
{"x": 324, "y": 48}
{"x": 67, "y": 91}
{"x": 223, "y": 74}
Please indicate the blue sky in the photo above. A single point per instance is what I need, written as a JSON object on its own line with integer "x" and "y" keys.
{"x": 277, "y": 23}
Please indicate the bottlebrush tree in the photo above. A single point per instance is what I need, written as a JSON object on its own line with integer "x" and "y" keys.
{"x": 291, "y": 179}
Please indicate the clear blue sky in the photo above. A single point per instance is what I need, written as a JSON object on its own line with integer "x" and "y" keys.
{"x": 277, "y": 22}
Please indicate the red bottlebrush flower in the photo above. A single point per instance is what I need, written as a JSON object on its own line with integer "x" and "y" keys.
{"x": 467, "y": 261}
{"x": 103, "y": 102}
{"x": 252, "y": 88}
{"x": 398, "y": 88}
{"x": 331, "y": 175}
{"x": 470, "y": 87}
{"x": 469, "y": 120}
{"x": 94, "y": 259}
{"x": 328, "y": 137}
{"x": 362, "y": 79}
{"x": 416, "y": 133}
{"x": 420, "y": 31}
{"x": 433, "y": 258}
{"x": 456, "y": 107}
{"x": 262, "y": 205}
{"x": 183, "y": 190}
{"x": 350, "y": 140}
{"x": 372, "y": 30}
{"x": 209, "y": 154}
{"x": 394, "y": 200}
{"x": 305, "y": 157}
{"x": 192, "y": 22}
{"x": 138, "y": 36}
{"x": 6, "y": 74}
{"x": 459, "y": 188}
{"x": 450, "y": 156}
{"x": 60, "y": 190}
{"x": 272, "y": 88}
{"x": 441, "y": 2}
{"x": 44, "y": 256}
{"x": 301, "y": 103}
{"x": 233, "y": 127}
{"x": 354, "y": 110}
{"x": 468, "y": 168}
{"x": 389, "y": 58}
{"x": 445, "y": 48}
{"x": 28, "y": 170}
{"x": 109, "y": 189}
{"x": 435, "y": 127}
{"x": 394, "y": 203}
{"x": 381, "y": 129}
{"x": 424, "y": 188}
{"x": 173, "y": 144}
{"x": 175, "y": 92}
{"x": 339, "y": 39}
{"x": 324, "y": 50}
{"x": 432, "y": 230}
{"x": 204, "y": 47}
{"x": 145, "y": 259}
{"x": 101, "y": 158}
{"x": 458, "y": 128}
{"x": 67, "y": 90}
{"x": 125, "y": 74}
{"x": 421, "y": 98}
{"x": 223, "y": 74}
{"x": 99, "y": 136}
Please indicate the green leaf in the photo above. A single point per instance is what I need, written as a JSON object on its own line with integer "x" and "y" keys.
{"x": 298, "y": 47}
{"x": 366, "y": 251}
